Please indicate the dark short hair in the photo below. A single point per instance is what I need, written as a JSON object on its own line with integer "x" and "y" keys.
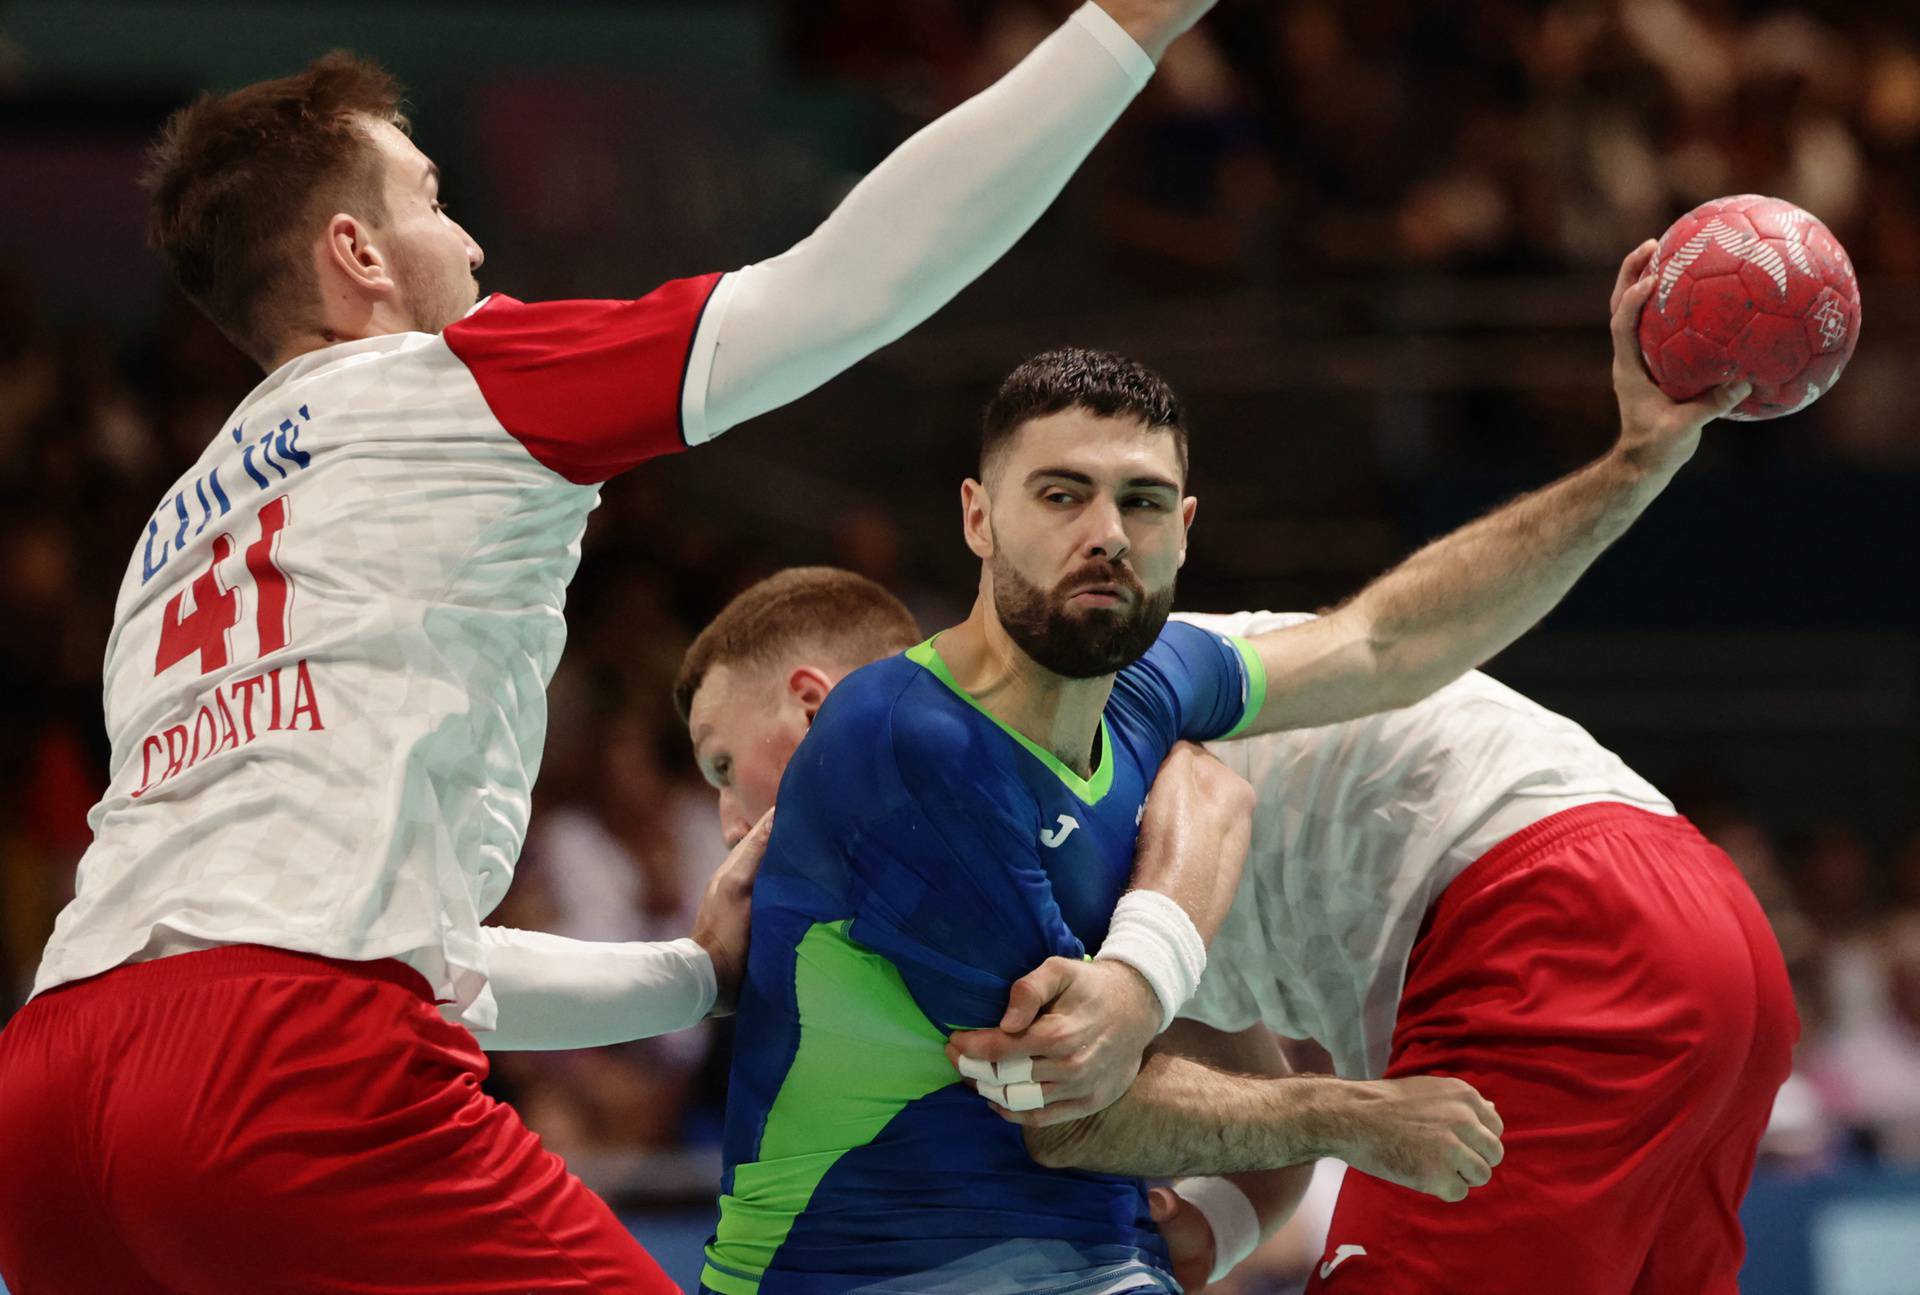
{"x": 1100, "y": 382}
{"x": 238, "y": 181}
{"x": 847, "y": 618}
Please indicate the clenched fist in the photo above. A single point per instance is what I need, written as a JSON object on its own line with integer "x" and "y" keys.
{"x": 1433, "y": 1134}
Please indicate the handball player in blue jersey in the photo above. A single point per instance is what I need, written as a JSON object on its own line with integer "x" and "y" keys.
{"x": 968, "y": 808}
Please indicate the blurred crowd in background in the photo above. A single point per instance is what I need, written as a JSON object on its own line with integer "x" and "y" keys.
{"x": 1307, "y": 153}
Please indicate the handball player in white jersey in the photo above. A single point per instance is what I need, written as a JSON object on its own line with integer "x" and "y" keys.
{"x": 1469, "y": 886}
{"x": 325, "y": 693}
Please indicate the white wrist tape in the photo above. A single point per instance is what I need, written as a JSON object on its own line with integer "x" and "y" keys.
{"x": 1154, "y": 936}
{"x": 1236, "y": 1227}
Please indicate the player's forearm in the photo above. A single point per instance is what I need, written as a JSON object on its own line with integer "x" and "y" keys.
{"x": 1463, "y": 598}
{"x": 1454, "y": 604}
{"x": 928, "y": 221}
{"x": 559, "y": 993}
{"x": 1182, "y": 1117}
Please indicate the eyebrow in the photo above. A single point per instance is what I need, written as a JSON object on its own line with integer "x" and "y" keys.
{"x": 1081, "y": 478}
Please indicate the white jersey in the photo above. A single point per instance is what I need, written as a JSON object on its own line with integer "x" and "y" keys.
{"x": 326, "y": 682}
{"x": 1359, "y": 827}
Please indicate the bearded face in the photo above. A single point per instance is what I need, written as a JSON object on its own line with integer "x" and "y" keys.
{"x": 1096, "y": 621}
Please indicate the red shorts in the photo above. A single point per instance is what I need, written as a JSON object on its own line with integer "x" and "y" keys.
{"x": 1608, "y": 981}
{"x": 251, "y": 1120}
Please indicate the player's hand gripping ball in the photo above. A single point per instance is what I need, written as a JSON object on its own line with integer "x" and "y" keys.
{"x": 1750, "y": 288}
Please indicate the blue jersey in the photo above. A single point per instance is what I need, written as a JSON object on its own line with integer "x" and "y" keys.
{"x": 925, "y": 857}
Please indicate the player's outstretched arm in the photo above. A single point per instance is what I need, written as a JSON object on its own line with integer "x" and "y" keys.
{"x": 1466, "y": 596}
{"x": 930, "y": 219}
{"x": 1087, "y": 1024}
{"x": 557, "y": 993}
{"x": 1182, "y": 1116}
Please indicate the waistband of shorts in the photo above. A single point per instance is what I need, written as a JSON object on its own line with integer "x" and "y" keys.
{"x": 239, "y": 962}
{"x": 1526, "y": 845}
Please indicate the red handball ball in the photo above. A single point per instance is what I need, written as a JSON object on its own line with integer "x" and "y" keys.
{"x": 1750, "y": 288}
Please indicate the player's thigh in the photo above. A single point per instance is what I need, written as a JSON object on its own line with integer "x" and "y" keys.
{"x": 1560, "y": 1205}
{"x": 470, "y": 1204}
{"x": 1700, "y": 1245}
{"x": 53, "y": 1238}
{"x": 338, "y": 1140}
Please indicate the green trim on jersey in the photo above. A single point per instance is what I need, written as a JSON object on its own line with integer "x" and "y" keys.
{"x": 1089, "y": 790}
{"x": 1256, "y": 685}
{"x": 866, "y": 1052}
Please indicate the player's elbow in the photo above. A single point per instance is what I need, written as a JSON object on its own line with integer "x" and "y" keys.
{"x": 1412, "y": 672}
{"x": 1401, "y": 668}
{"x": 1208, "y": 781}
{"x": 1056, "y": 1146}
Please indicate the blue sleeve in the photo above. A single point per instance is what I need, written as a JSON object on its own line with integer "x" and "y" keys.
{"x": 1196, "y": 685}
{"x": 948, "y": 883}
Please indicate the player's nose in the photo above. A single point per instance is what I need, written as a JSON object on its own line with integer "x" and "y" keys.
{"x": 734, "y": 823}
{"x": 1107, "y": 536}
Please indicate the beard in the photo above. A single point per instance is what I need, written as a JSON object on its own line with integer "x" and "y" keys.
{"x": 434, "y": 300}
{"x": 1085, "y": 643}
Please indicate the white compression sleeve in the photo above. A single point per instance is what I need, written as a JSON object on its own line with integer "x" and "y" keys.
{"x": 560, "y": 993}
{"x": 928, "y": 221}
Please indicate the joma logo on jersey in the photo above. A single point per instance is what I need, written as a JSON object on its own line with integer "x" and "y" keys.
{"x": 1055, "y": 837}
{"x": 278, "y": 449}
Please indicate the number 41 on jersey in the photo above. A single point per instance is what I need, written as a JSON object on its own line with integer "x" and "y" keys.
{"x": 207, "y": 630}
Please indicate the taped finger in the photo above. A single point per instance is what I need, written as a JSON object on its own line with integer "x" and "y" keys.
{"x": 979, "y": 1070}
{"x": 1024, "y": 1097}
{"x": 1014, "y": 1070}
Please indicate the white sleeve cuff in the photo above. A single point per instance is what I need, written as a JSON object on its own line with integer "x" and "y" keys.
{"x": 1126, "y": 51}
{"x": 554, "y": 992}
{"x": 700, "y": 968}
{"x": 699, "y": 375}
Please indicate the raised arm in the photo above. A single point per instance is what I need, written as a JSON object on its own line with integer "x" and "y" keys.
{"x": 929, "y": 220}
{"x": 1466, "y": 596}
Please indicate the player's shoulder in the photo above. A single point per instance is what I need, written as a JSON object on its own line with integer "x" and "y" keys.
{"x": 899, "y": 704}
{"x": 1182, "y": 652}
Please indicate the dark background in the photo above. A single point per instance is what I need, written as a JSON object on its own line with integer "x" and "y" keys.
{"x": 1371, "y": 244}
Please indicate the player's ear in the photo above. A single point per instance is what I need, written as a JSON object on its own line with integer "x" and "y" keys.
{"x": 976, "y": 517}
{"x": 1188, "y": 507}
{"x": 350, "y": 252}
{"x": 808, "y": 687}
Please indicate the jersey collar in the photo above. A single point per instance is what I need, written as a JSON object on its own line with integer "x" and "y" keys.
{"x": 1089, "y": 790}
